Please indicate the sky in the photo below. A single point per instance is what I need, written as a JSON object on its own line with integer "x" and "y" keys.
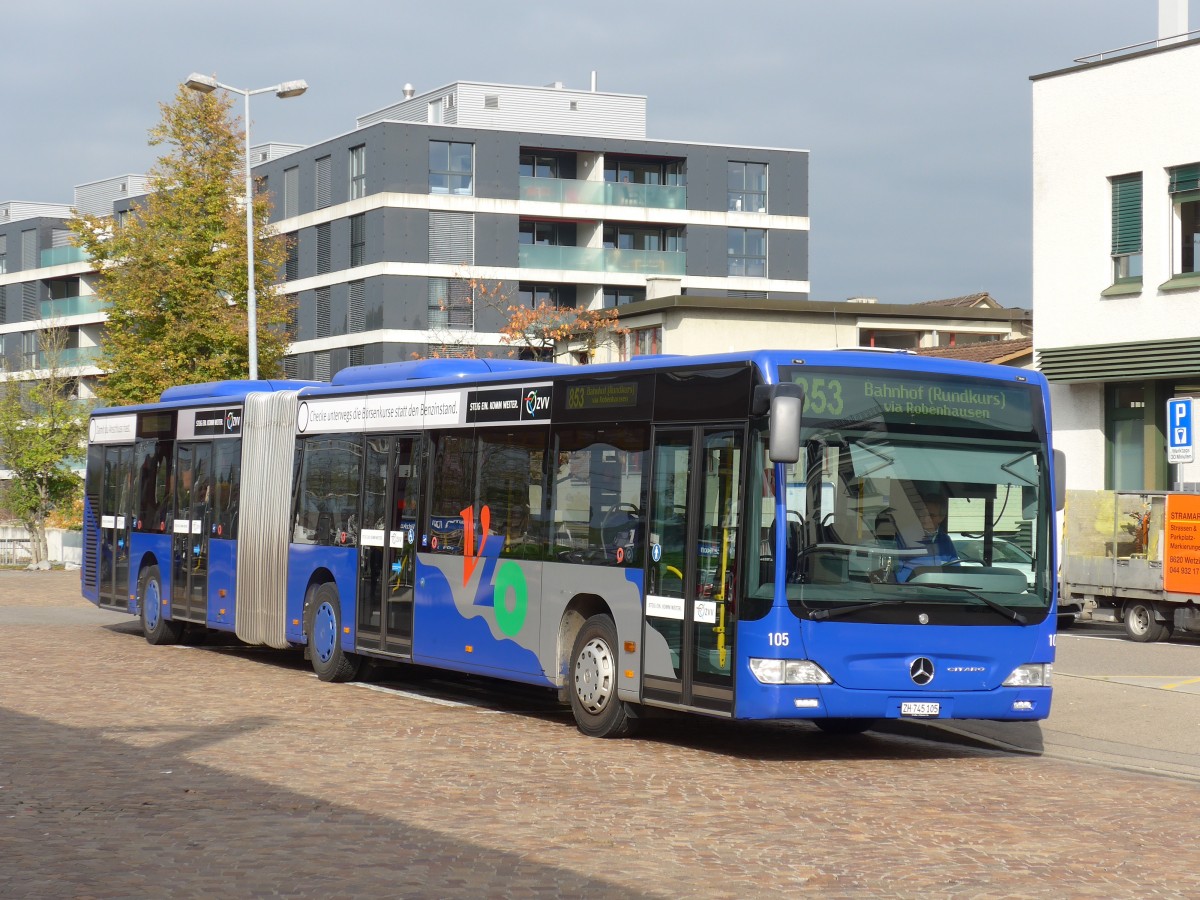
{"x": 916, "y": 113}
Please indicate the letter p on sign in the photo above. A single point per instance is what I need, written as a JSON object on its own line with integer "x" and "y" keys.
{"x": 1180, "y": 447}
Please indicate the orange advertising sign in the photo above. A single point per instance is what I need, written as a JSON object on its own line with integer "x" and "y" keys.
{"x": 1181, "y": 555}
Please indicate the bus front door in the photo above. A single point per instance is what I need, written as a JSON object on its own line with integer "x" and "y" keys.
{"x": 189, "y": 532}
{"x": 692, "y": 567}
{"x": 386, "y": 555}
{"x": 115, "y": 525}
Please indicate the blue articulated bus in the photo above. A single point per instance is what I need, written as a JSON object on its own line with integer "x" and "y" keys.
{"x": 765, "y": 535}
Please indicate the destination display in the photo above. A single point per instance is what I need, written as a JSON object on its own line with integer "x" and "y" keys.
{"x": 842, "y": 397}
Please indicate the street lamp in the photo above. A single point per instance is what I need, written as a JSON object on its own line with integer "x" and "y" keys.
{"x": 206, "y": 84}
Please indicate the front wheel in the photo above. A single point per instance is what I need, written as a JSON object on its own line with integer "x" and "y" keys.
{"x": 1142, "y": 626}
{"x": 598, "y": 711}
{"x": 323, "y": 626}
{"x": 155, "y": 626}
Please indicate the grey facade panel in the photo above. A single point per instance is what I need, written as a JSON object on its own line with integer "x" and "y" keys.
{"x": 403, "y": 235}
{"x": 787, "y": 255}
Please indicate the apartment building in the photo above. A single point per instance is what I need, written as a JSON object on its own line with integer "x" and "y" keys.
{"x": 412, "y": 232}
{"x": 1116, "y": 253}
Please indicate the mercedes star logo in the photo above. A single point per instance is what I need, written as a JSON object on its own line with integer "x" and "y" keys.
{"x": 921, "y": 670}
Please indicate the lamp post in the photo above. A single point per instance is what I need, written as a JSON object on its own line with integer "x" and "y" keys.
{"x": 206, "y": 84}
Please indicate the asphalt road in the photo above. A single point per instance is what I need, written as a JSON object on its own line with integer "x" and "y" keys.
{"x": 1117, "y": 703}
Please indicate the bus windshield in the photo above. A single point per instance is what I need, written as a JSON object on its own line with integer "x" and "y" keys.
{"x": 876, "y": 519}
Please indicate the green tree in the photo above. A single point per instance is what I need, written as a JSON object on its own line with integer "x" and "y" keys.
{"x": 174, "y": 270}
{"x": 41, "y": 430}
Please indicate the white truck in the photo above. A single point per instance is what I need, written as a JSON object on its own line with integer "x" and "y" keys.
{"x": 1132, "y": 557}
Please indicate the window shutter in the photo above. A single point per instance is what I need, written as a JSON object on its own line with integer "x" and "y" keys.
{"x": 324, "y": 182}
{"x": 321, "y": 329}
{"x": 1185, "y": 178}
{"x": 323, "y": 252}
{"x": 291, "y": 192}
{"x": 1127, "y": 214}
{"x": 357, "y": 314}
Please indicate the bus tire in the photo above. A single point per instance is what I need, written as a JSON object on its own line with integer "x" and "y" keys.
{"x": 1141, "y": 625}
{"x": 157, "y": 628}
{"x": 323, "y": 627}
{"x": 598, "y": 711}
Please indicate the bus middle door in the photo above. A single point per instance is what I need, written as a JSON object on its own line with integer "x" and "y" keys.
{"x": 386, "y": 555}
{"x": 691, "y": 567}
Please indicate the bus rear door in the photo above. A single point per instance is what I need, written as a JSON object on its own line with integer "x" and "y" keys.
{"x": 691, "y": 567}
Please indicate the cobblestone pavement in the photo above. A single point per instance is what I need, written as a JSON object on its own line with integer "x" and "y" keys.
{"x": 134, "y": 771}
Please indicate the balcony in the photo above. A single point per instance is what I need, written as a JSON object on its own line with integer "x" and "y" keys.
{"x": 71, "y": 357}
{"x": 61, "y": 256}
{"x": 86, "y": 305}
{"x": 602, "y": 193}
{"x": 598, "y": 259}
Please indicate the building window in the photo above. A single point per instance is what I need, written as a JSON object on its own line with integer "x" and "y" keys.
{"x": 644, "y": 171}
{"x": 551, "y": 234}
{"x": 434, "y": 116}
{"x": 1127, "y": 228}
{"x": 451, "y": 168}
{"x": 291, "y": 192}
{"x": 748, "y": 187}
{"x": 358, "y": 171}
{"x": 3, "y": 253}
{"x": 324, "y": 182}
{"x": 632, "y": 237}
{"x": 748, "y": 252}
{"x": 1185, "y": 198}
{"x": 323, "y": 252}
{"x": 619, "y": 296}
{"x": 559, "y": 296}
{"x": 645, "y": 341}
{"x": 451, "y": 304}
{"x": 358, "y": 240}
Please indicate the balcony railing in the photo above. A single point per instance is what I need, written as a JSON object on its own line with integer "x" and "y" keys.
{"x": 599, "y": 259}
{"x": 60, "y": 256}
{"x": 71, "y": 356}
{"x": 88, "y": 304}
{"x": 603, "y": 193}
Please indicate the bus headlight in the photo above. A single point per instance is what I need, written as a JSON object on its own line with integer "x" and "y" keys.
{"x": 788, "y": 671}
{"x": 1030, "y": 675}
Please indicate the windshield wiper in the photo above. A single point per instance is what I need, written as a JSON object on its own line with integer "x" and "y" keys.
{"x": 839, "y": 611}
{"x": 1007, "y": 611}
{"x": 1000, "y": 608}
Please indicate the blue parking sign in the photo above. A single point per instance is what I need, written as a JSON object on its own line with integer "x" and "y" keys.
{"x": 1180, "y": 448}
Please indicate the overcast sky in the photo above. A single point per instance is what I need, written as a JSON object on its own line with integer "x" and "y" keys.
{"x": 916, "y": 112}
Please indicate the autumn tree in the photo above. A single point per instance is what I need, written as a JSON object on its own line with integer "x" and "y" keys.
{"x": 174, "y": 270}
{"x": 538, "y": 331}
{"x": 41, "y": 430}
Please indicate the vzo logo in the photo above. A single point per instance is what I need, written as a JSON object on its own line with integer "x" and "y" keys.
{"x": 510, "y": 590}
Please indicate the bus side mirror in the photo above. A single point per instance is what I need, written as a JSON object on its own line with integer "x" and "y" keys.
{"x": 787, "y": 404}
{"x": 1060, "y": 480}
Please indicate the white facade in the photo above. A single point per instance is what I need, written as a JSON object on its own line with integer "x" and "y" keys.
{"x": 1092, "y": 123}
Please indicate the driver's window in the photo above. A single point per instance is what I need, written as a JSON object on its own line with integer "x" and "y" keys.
{"x": 599, "y": 495}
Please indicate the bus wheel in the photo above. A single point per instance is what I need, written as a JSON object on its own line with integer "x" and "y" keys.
{"x": 157, "y": 628}
{"x": 598, "y": 711}
{"x": 1140, "y": 624}
{"x": 844, "y": 726}
{"x": 323, "y": 626}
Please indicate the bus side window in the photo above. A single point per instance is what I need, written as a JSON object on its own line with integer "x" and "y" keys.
{"x": 453, "y": 490}
{"x": 599, "y": 497}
